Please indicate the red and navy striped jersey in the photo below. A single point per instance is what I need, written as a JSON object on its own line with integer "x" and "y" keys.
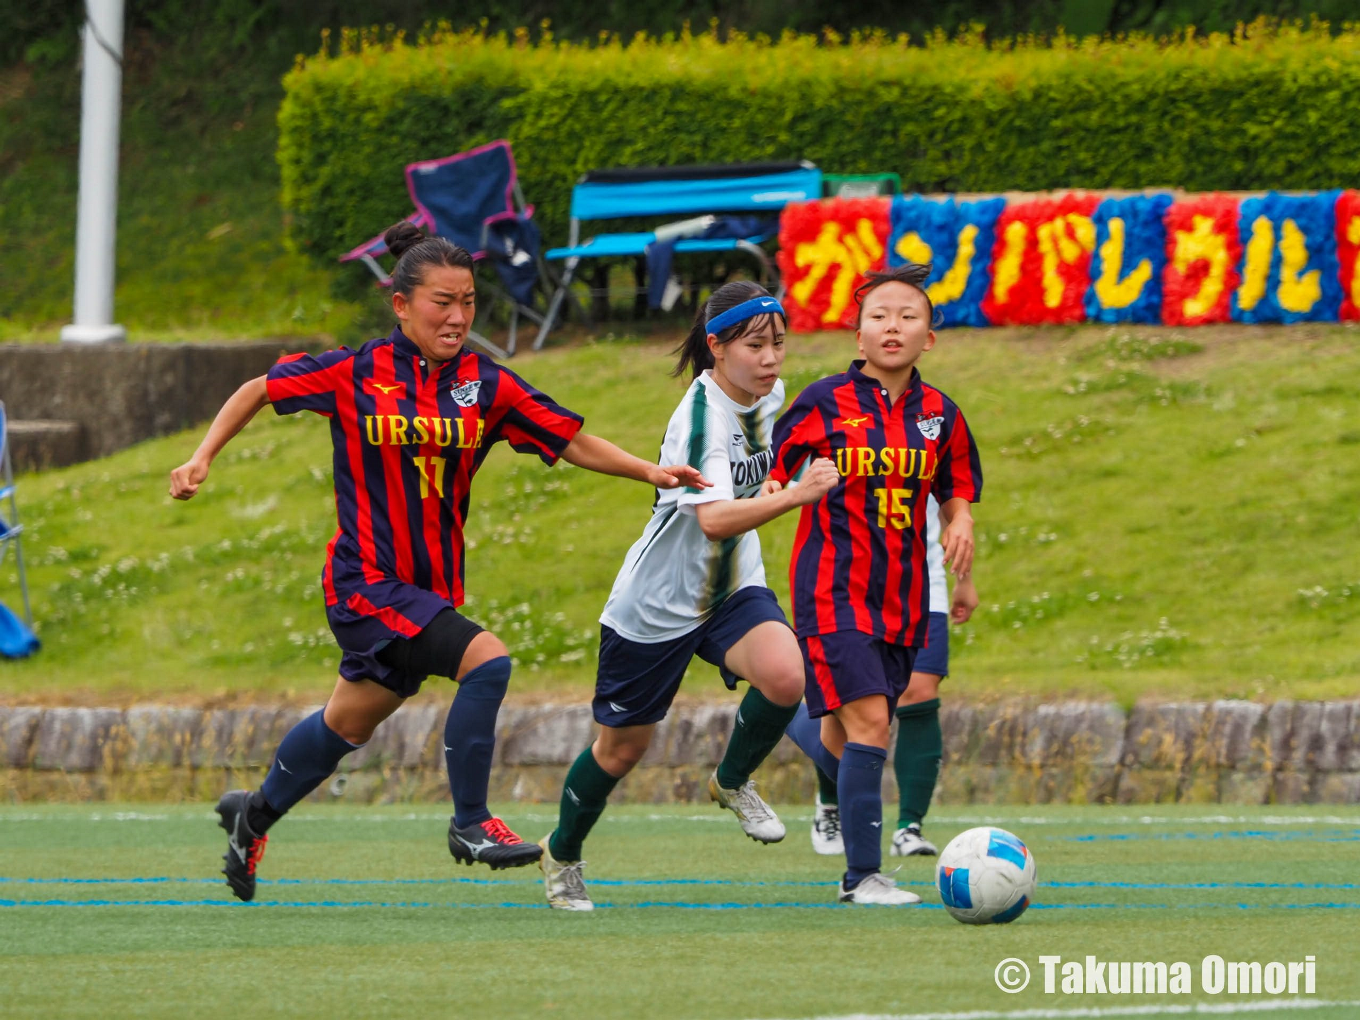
{"x": 408, "y": 436}
{"x": 859, "y": 557}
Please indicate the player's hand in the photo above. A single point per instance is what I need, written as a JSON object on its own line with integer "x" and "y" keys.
{"x": 769, "y": 487}
{"x": 672, "y": 476}
{"x": 820, "y": 478}
{"x": 957, "y": 542}
{"x": 185, "y": 479}
{"x": 963, "y": 601}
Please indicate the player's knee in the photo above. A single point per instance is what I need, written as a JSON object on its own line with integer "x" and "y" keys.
{"x": 481, "y": 650}
{"x": 784, "y": 688}
{"x": 923, "y": 687}
{"x": 349, "y": 726}
{"x": 618, "y": 758}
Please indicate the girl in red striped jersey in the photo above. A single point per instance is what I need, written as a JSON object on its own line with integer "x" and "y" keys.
{"x": 858, "y": 576}
{"x": 412, "y": 417}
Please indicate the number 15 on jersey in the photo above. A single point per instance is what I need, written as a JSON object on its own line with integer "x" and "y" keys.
{"x": 894, "y": 508}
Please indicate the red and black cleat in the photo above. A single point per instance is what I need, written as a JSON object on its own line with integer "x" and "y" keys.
{"x": 493, "y": 844}
{"x": 245, "y": 849}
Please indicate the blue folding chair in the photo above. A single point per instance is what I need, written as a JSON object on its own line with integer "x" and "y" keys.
{"x": 16, "y": 637}
{"x": 757, "y": 190}
{"x": 474, "y": 199}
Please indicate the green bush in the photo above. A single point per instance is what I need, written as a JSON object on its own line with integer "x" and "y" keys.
{"x": 1265, "y": 107}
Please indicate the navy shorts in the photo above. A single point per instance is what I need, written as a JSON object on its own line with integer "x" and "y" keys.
{"x": 848, "y": 665}
{"x": 389, "y": 612}
{"x": 934, "y": 657}
{"x": 637, "y": 681}
{"x": 402, "y": 664}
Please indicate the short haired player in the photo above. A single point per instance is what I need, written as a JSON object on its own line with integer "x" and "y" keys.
{"x": 694, "y": 584}
{"x": 412, "y": 417}
{"x": 858, "y": 576}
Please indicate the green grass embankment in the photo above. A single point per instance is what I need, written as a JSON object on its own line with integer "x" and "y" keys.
{"x": 1165, "y": 514}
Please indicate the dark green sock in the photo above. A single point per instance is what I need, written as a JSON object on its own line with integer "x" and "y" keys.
{"x": 826, "y": 789}
{"x": 916, "y": 761}
{"x": 757, "y": 729}
{"x": 584, "y": 796}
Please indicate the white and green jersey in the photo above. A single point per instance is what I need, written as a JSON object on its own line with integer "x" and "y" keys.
{"x": 939, "y": 588}
{"x": 673, "y": 577}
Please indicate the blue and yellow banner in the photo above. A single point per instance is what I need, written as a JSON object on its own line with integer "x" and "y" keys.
{"x": 1129, "y": 259}
{"x": 1290, "y": 271}
{"x": 1079, "y": 257}
{"x": 956, "y": 238}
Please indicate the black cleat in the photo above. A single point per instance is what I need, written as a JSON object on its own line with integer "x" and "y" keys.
{"x": 245, "y": 849}
{"x": 492, "y": 843}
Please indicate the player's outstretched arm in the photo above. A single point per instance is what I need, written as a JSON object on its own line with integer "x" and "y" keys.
{"x": 236, "y": 413}
{"x": 957, "y": 537}
{"x": 730, "y": 517}
{"x": 596, "y": 454}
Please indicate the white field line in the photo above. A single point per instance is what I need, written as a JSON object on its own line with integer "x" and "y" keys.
{"x": 1080, "y": 1013}
{"x": 1094, "y": 819}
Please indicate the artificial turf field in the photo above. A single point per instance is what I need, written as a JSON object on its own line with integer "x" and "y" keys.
{"x": 116, "y": 910}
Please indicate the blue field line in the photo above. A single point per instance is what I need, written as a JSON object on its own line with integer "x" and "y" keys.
{"x": 643, "y": 904}
{"x": 1326, "y": 836}
{"x": 645, "y": 882}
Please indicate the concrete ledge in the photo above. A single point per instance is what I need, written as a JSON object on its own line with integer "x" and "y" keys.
{"x": 44, "y": 443}
{"x": 1000, "y": 752}
{"x": 108, "y": 396}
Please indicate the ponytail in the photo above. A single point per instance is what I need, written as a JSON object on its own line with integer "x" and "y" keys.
{"x": 695, "y": 356}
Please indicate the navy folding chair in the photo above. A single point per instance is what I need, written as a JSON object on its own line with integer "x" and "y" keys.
{"x": 10, "y": 528}
{"x": 474, "y": 199}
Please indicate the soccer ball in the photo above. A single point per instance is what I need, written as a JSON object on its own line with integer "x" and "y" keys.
{"x": 986, "y": 876}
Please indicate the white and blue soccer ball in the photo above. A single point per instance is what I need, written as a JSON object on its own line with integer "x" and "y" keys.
{"x": 986, "y": 876}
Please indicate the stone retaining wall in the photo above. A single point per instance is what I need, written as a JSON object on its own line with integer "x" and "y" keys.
{"x": 1011, "y": 751}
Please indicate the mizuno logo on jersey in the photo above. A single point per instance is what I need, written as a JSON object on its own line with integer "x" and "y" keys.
{"x": 466, "y": 395}
{"x": 852, "y": 423}
{"x": 859, "y": 461}
{"x": 372, "y": 387}
{"x": 929, "y": 425}
{"x": 396, "y": 430}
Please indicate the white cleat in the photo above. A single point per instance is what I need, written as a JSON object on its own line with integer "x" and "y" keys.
{"x": 909, "y": 842}
{"x": 757, "y": 819}
{"x": 877, "y": 890}
{"x": 826, "y": 830}
{"x": 563, "y": 883}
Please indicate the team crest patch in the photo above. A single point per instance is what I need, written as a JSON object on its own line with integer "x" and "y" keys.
{"x": 466, "y": 395}
{"x": 929, "y": 425}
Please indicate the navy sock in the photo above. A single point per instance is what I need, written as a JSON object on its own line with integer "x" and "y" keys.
{"x": 309, "y": 753}
{"x": 806, "y": 732}
{"x": 470, "y": 738}
{"x": 861, "y": 788}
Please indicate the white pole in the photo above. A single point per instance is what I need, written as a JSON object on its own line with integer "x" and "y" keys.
{"x": 97, "y": 210}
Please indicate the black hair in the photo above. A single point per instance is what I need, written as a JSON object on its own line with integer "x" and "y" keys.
{"x": 693, "y": 350}
{"x": 415, "y": 253}
{"x": 913, "y": 274}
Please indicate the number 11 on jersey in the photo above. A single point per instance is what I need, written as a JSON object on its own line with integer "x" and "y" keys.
{"x": 432, "y": 470}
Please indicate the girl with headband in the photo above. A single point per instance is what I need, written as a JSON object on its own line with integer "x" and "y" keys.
{"x": 694, "y": 583}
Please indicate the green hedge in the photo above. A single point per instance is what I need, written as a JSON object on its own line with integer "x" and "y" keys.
{"x": 1269, "y": 107}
